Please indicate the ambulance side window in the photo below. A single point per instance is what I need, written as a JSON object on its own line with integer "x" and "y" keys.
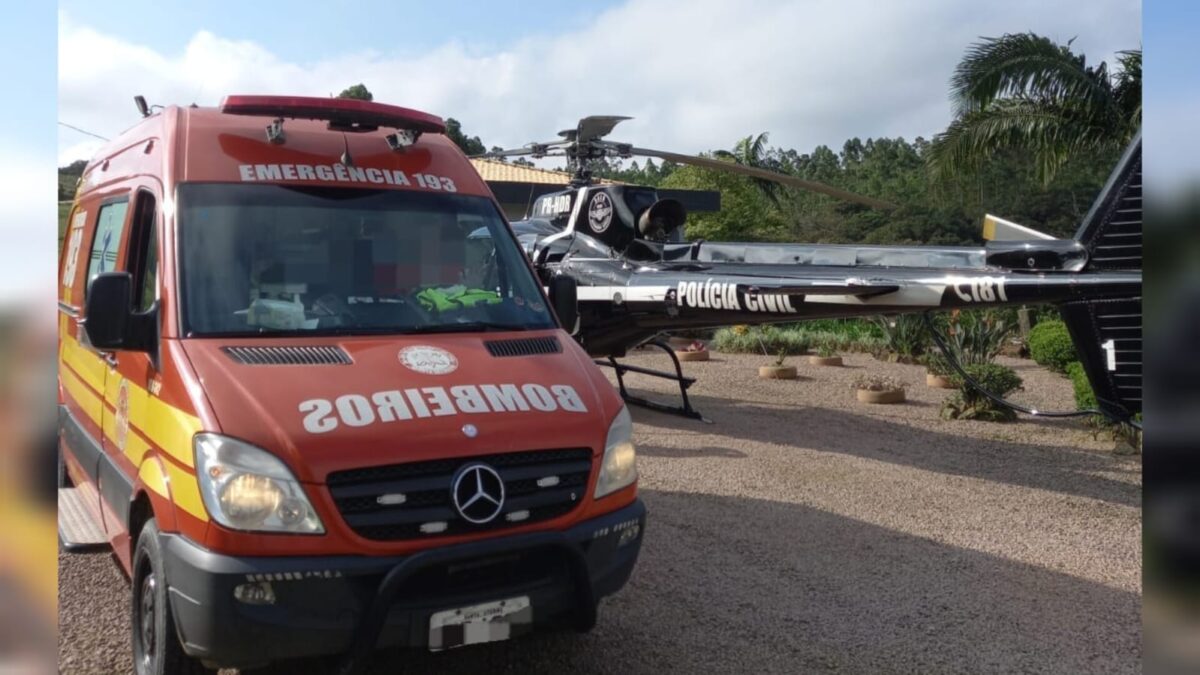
{"x": 142, "y": 261}
{"x": 110, "y": 228}
{"x": 74, "y": 236}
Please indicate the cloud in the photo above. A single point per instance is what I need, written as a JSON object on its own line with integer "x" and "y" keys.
{"x": 26, "y": 217}
{"x": 696, "y": 74}
{"x": 73, "y": 150}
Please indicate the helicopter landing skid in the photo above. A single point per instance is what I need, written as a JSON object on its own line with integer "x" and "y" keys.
{"x": 686, "y": 410}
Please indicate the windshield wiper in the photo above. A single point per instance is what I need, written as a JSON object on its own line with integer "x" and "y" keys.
{"x": 350, "y": 331}
{"x": 468, "y": 327}
{"x": 329, "y": 331}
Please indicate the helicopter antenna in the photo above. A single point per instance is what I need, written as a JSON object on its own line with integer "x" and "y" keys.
{"x": 529, "y": 202}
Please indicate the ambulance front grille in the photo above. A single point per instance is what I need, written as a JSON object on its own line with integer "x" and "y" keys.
{"x": 399, "y": 500}
{"x": 523, "y": 346}
{"x": 288, "y": 356}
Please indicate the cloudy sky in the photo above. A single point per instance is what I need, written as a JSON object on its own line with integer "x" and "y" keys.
{"x": 696, "y": 74}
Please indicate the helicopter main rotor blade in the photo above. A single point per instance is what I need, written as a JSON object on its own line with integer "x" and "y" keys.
{"x": 516, "y": 152}
{"x": 754, "y": 172}
{"x": 541, "y": 149}
{"x": 594, "y": 127}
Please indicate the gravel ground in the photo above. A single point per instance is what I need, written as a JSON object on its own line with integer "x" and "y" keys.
{"x": 803, "y": 531}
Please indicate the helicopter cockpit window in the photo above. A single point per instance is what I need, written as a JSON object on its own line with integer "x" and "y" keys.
{"x": 267, "y": 259}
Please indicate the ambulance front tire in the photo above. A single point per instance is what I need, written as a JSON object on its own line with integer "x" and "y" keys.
{"x": 156, "y": 648}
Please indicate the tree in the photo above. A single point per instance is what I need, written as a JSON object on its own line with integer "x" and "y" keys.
{"x": 68, "y": 178}
{"x": 752, "y": 151}
{"x": 470, "y": 145}
{"x": 746, "y": 214}
{"x": 358, "y": 91}
{"x": 74, "y": 168}
{"x": 1025, "y": 93}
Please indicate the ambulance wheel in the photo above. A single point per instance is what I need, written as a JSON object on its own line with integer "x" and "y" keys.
{"x": 156, "y": 648}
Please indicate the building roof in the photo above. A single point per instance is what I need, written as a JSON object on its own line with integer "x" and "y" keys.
{"x": 495, "y": 171}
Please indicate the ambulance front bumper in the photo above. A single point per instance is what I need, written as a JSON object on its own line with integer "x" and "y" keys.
{"x": 290, "y": 607}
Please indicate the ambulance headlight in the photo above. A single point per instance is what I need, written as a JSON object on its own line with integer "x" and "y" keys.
{"x": 248, "y": 488}
{"x": 619, "y": 468}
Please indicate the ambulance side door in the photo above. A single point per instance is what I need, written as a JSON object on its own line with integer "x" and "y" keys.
{"x": 92, "y": 245}
{"x": 130, "y": 372}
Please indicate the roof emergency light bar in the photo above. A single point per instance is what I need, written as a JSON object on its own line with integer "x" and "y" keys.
{"x": 342, "y": 114}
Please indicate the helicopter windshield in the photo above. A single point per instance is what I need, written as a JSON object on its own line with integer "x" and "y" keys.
{"x": 273, "y": 260}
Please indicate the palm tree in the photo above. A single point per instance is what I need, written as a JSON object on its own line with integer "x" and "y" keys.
{"x": 752, "y": 151}
{"x": 1023, "y": 92}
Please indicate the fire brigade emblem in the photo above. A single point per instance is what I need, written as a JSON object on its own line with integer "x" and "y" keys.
{"x": 121, "y": 416}
{"x": 600, "y": 212}
{"x": 428, "y": 359}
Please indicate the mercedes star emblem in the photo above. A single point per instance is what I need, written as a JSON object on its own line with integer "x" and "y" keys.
{"x": 478, "y": 493}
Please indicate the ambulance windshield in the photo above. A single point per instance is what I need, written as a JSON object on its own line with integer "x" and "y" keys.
{"x": 272, "y": 260}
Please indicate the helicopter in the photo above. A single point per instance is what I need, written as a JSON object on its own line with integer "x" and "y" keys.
{"x": 637, "y": 277}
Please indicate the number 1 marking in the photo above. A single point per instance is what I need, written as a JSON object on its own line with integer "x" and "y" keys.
{"x": 1110, "y": 349}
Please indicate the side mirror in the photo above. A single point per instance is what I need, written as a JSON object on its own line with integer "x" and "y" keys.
{"x": 564, "y": 295}
{"x": 107, "y": 310}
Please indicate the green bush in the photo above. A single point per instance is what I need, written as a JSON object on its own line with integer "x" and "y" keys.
{"x": 841, "y": 343}
{"x": 730, "y": 341}
{"x": 969, "y": 403}
{"x": 1050, "y": 345}
{"x": 937, "y": 364}
{"x": 851, "y": 329}
{"x": 906, "y": 334}
{"x": 1085, "y": 398}
{"x": 1043, "y": 313}
{"x": 977, "y": 336}
{"x": 796, "y": 338}
{"x": 765, "y": 340}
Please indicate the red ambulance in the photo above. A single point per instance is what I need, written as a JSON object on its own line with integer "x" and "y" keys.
{"x": 316, "y": 400}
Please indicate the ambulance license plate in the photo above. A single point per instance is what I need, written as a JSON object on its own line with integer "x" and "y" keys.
{"x": 489, "y": 622}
